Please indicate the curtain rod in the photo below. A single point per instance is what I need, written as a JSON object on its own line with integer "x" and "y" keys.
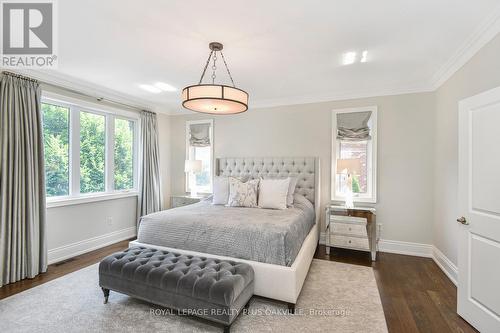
{"x": 98, "y": 98}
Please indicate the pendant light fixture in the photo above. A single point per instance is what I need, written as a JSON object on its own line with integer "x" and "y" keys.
{"x": 215, "y": 98}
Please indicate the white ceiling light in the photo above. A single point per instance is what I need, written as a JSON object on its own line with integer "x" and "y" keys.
{"x": 150, "y": 88}
{"x": 364, "y": 56}
{"x": 215, "y": 98}
{"x": 165, "y": 86}
{"x": 349, "y": 58}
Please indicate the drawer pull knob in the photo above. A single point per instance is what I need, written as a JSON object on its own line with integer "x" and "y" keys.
{"x": 350, "y": 229}
{"x": 349, "y": 242}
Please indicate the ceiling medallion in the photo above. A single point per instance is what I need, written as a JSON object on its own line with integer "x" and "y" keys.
{"x": 215, "y": 98}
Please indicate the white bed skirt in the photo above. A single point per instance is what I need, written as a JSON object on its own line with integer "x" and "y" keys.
{"x": 278, "y": 282}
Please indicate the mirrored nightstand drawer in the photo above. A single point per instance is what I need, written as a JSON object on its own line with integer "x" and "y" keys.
{"x": 349, "y": 229}
{"x": 350, "y": 242}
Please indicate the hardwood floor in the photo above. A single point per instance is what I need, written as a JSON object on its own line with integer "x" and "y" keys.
{"x": 415, "y": 293}
{"x": 62, "y": 268}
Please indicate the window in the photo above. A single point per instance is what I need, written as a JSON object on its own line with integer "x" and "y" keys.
{"x": 87, "y": 151}
{"x": 92, "y": 152}
{"x": 56, "y": 143}
{"x": 199, "y": 146}
{"x": 354, "y": 138}
{"x": 124, "y": 154}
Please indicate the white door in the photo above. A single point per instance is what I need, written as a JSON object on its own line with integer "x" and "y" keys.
{"x": 479, "y": 204}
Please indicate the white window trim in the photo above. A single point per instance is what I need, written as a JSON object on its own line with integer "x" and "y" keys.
{"x": 76, "y": 106}
{"x": 188, "y": 153}
{"x": 372, "y": 156}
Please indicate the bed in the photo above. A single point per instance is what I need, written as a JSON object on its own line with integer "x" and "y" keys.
{"x": 279, "y": 244}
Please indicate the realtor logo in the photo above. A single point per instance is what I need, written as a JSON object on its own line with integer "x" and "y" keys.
{"x": 28, "y": 30}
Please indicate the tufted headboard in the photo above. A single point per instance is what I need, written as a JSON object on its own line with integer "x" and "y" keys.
{"x": 304, "y": 168}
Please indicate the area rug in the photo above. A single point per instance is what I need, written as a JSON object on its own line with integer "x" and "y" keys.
{"x": 336, "y": 297}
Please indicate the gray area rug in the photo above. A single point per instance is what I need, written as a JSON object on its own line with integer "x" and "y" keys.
{"x": 336, "y": 297}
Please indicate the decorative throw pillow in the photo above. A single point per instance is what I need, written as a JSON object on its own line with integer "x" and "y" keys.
{"x": 273, "y": 193}
{"x": 291, "y": 187}
{"x": 242, "y": 194}
{"x": 221, "y": 190}
{"x": 291, "y": 190}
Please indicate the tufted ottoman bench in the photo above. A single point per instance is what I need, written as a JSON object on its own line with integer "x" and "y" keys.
{"x": 213, "y": 289}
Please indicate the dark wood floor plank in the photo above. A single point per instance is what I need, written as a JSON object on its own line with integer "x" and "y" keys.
{"x": 416, "y": 295}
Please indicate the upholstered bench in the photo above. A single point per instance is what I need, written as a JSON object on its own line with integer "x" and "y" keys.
{"x": 213, "y": 289}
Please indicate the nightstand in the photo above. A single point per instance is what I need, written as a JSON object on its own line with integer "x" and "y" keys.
{"x": 183, "y": 200}
{"x": 353, "y": 228}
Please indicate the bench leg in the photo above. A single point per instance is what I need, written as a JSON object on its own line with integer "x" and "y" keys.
{"x": 227, "y": 328}
{"x": 291, "y": 308}
{"x": 247, "y": 306}
{"x": 106, "y": 295}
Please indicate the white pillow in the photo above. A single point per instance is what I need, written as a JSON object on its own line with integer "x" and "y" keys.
{"x": 242, "y": 194}
{"x": 221, "y": 190}
{"x": 273, "y": 193}
{"x": 291, "y": 187}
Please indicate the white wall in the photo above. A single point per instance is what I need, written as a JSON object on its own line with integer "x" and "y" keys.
{"x": 75, "y": 229}
{"x": 481, "y": 73}
{"x": 405, "y": 152}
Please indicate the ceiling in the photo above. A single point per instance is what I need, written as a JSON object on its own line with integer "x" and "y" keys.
{"x": 281, "y": 52}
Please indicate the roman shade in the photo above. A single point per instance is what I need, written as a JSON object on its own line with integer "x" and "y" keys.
{"x": 199, "y": 135}
{"x": 353, "y": 126}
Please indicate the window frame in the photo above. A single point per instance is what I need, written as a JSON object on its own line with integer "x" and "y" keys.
{"x": 190, "y": 150}
{"x": 371, "y": 196}
{"x": 76, "y": 106}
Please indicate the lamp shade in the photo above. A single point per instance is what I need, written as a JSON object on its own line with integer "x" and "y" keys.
{"x": 214, "y": 99}
{"x": 193, "y": 166}
{"x": 351, "y": 166}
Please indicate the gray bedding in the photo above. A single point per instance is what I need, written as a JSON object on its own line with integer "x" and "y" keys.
{"x": 264, "y": 235}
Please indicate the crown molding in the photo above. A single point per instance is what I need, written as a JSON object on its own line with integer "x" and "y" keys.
{"x": 341, "y": 96}
{"x": 322, "y": 98}
{"x": 483, "y": 34}
{"x": 88, "y": 88}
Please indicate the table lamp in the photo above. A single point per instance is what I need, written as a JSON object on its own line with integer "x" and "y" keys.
{"x": 349, "y": 167}
{"x": 192, "y": 167}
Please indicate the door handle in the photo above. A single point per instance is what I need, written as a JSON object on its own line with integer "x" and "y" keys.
{"x": 462, "y": 220}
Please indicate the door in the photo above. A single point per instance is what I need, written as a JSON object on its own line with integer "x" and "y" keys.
{"x": 479, "y": 203}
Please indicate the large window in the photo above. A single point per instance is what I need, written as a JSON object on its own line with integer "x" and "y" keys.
{"x": 87, "y": 151}
{"x": 199, "y": 146}
{"x": 354, "y": 144}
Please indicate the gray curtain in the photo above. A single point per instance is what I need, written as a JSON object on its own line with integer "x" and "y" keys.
{"x": 150, "y": 200}
{"x": 199, "y": 135}
{"x": 23, "y": 244}
{"x": 353, "y": 126}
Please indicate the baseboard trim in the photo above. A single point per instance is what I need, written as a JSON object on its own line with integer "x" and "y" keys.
{"x": 446, "y": 265}
{"x": 417, "y": 250}
{"x": 406, "y": 248}
{"x": 398, "y": 247}
{"x": 71, "y": 250}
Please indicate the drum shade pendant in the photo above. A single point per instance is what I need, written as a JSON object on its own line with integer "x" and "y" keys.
{"x": 215, "y": 98}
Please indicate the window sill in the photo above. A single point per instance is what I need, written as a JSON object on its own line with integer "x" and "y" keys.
{"x": 52, "y": 203}
{"x": 355, "y": 200}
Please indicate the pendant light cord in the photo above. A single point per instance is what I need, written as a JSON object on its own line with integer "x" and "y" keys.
{"x": 206, "y": 66}
{"x": 227, "y": 68}
{"x": 214, "y": 68}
